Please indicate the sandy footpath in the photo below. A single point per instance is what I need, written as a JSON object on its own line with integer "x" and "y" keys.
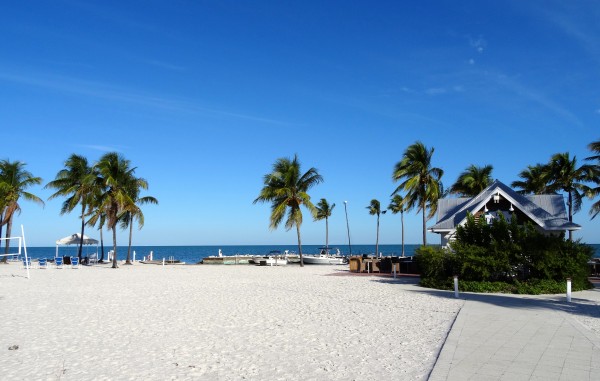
{"x": 216, "y": 323}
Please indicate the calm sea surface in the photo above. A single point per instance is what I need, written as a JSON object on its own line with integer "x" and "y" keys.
{"x": 193, "y": 254}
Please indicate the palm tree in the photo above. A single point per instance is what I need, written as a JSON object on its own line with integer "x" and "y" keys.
{"x": 114, "y": 173}
{"x": 397, "y": 206}
{"x": 564, "y": 175}
{"x": 594, "y": 192}
{"x": 98, "y": 215}
{"x": 472, "y": 181}
{"x": 133, "y": 211}
{"x": 324, "y": 211}
{"x": 594, "y": 147}
{"x": 73, "y": 183}
{"x": 15, "y": 180}
{"x": 535, "y": 180}
{"x": 421, "y": 181}
{"x": 375, "y": 209}
{"x": 286, "y": 189}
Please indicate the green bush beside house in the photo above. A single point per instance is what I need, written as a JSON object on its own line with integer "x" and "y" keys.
{"x": 506, "y": 257}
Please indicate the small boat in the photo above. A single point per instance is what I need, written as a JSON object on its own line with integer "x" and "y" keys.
{"x": 325, "y": 257}
{"x": 274, "y": 258}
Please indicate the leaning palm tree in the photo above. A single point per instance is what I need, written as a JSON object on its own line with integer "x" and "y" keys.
{"x": 286, "y": 189}
{"x": 15, "y": 180}
{"x": 375, "y": 209}
{"x": 324, "y": 211}
{"x": 133, "y": 211}
{"x": 595, "y": 192}
{"x": 114, "y": 173}
{"x": 564, "y": 175}
{"x": 397, "y": 206}
{"x": 472, "y": 181}
{"x": 535, "y": 180}
{"x": 4, "y": 188}
{"x": 73, "y": 183}
{"x": 420, "y": 181}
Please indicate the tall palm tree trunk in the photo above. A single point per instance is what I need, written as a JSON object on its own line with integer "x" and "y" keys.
{"x": 570, "y": 202}
{"x": 82, "y": 230}
{"x": 128, "y": 261}
{"x": 377, "y": 240}
{"x": 424, "y": 227}
{"x": 299, "y": 246}
{"x": 4, "y": 259}
{"x": 101, "y": 247}
{"x": 8, "y": 233}
{"x": 114, "y": 234}
{"x": 402, "y": 220}
{"x": 326, "y": 233}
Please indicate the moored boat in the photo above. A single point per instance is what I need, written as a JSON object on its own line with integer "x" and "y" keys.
{"x": 274, "y": 258}
{"x": 325, "y": 257}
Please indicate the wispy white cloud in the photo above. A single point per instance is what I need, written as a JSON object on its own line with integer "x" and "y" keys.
{"x": 124, "y": 95}
{"x": 444, "y": 90}
{"x": 479, "y": 43}
{"x": 535, "y": 96}
{"x": 101, "y": 148}
{"x": 576, "y": 20}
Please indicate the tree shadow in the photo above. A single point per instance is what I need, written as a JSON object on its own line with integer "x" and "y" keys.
{"x": 557, "y": 302}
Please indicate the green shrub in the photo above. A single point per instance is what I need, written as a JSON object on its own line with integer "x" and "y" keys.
{"x": 434, "y": 262}
{"x": 506, "y": 257}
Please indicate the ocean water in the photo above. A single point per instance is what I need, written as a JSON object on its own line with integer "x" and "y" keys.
{"x": 193, "y": 254}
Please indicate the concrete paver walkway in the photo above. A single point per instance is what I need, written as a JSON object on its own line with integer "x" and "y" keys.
{"x": 508, "y": 337}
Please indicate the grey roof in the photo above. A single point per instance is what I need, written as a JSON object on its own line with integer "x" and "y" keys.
{"x": 548, "y": 210}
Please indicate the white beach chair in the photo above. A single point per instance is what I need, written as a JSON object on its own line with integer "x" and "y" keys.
{"x": 58, "y": 262}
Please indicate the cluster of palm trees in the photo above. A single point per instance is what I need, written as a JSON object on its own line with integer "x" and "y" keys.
{"x": 421, "y": 187}
{"x": 105, "y": 194}
{"x": 562, "y": 174}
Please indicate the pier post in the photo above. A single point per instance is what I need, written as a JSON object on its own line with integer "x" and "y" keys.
{"x": 568, "y": 290}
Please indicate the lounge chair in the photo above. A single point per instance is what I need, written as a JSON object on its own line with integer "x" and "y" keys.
{"x": 42, "y": 263}
{"x": 58, "y": 262}
{"x": 75, "y": 262}
{"x": 26, "y": 264}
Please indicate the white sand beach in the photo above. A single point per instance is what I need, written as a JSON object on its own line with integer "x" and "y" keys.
{"x": 217, "y": 323}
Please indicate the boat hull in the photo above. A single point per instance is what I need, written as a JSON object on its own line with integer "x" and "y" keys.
{"x": 261, "y": 261}
{"x": 323, "y": 260}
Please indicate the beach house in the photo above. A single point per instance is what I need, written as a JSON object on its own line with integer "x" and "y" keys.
{"x": 547, "y": 211}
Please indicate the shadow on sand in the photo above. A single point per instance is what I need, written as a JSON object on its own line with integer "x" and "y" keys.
{"x": 579, "y": 305}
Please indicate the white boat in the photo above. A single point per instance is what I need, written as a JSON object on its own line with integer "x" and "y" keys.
{"x": 325, "y": 258}
{"x": 274, "y": 258}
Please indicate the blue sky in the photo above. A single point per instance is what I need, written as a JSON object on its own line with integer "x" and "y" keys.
{"x": 204, "y": 96}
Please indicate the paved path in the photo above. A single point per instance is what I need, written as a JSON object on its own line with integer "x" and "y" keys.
{"x": 507, "y": 337}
